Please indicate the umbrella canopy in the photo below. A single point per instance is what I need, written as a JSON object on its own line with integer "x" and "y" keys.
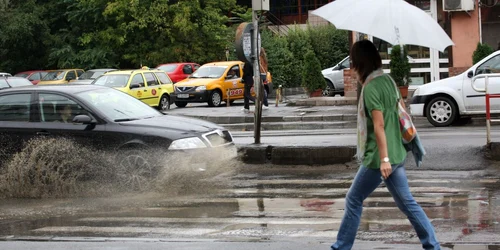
{"x": 394, "y": 21}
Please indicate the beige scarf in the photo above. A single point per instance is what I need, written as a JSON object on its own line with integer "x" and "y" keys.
{"x": 362, "y": 127}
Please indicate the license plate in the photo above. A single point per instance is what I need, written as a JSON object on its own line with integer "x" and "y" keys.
{"x": 183, "y": 96}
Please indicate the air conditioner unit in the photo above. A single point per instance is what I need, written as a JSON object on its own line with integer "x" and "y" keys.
{"x": 458, "y": 5}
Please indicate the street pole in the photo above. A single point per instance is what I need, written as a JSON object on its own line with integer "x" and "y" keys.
{"x": 256, "y": 78}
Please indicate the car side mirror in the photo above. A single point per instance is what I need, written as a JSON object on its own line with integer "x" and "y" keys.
{"x": 134, "y": 86}
{"x": 83, "y": 119}
{"x": 470, "y": 74}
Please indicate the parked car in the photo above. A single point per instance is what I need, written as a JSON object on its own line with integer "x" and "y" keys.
{"x": 334, "y": 77}
{"x": 211, "y": 83}
{"x": 4, "y": 74}
{"x": 153, "y": 87}
{"x": 179, "y": 71}
{"x": 13, "y": 82}
{"x": 443, "y": 102}
{"x": 90, "y": 75}
{"x": 61, "y": 76}
{"x": 34, "y": 76}
{"x": 108, "y": 120}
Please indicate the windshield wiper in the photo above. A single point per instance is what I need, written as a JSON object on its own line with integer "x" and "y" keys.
{"x": 126, "y": 119}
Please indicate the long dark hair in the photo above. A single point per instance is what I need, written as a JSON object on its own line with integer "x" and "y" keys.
{"x": 365, "y": 58}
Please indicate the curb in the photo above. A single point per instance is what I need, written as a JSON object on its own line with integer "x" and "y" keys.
{"x": 290, "y": 126}
{"x": 295, "y": 155}
{"x": 250, "y": 119}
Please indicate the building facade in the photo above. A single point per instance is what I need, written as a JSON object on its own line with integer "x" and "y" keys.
{"x": 467, "y": 22}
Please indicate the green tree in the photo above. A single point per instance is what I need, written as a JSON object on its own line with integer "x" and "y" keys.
{"x": 312, "y": 79}
{"x": 482, "y": 50}
{"x": 24, "y": 35}
{"x": 279, "y": 58}
{"x": 299, "y": 44}
{"x": 329, "y": 44}
{"x": 400, "y": 66}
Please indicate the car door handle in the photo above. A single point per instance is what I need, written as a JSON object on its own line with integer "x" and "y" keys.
{"x": 42, "y": 133}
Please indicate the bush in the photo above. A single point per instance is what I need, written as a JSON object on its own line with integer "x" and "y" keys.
{"x": 329, "y": 44}
{"x": 400, "y": 66}
{"x": 299, "y": 44}
{"x": 279, "y": 58}
{"x": 482, "y": 51}
{"x": 312, "y": 79}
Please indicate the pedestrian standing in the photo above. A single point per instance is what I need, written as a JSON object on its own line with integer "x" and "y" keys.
{"x": 248, "y": 83}
{"x": 264, "y": 73}
{"x": 380, "y": 150}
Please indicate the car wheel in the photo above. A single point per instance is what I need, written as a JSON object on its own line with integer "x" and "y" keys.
{"x": 181, "y": 104}
{"x": 330, "y": 89}
{"x": 215, "y": 99}
{"x": 441, "y": 111}
{"x": 164, "y": 104}
{"x": 134, "y": 170}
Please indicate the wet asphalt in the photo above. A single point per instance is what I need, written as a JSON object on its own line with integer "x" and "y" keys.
{"x": 275, "y": 207}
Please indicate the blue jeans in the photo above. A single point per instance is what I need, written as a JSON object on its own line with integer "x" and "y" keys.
{"x": 365, "y": 182}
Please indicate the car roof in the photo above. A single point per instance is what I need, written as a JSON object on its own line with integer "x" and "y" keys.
{"x": 62, "y": 88}
{"x": 130, "y": 71}
{"x": 31, "y": 71}
{"x": 101, "y": 69}
{"x": 225, "y": 63}
{"x": 62, "y": 70}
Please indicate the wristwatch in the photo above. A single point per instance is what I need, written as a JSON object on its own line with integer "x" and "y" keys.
{"x": 385, "y": 160}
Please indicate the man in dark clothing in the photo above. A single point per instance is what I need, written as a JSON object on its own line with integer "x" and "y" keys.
{"x": 248, "y": 81}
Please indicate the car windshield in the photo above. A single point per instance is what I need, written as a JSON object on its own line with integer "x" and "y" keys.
{"x": 90, "y": 75}
{"x": 114, "y": 81}
{"x": 23, "y": 75}
{"x": 209, "y": 72}
{"x": 54, "y": 75}
{"x": 118, "y": 106}
{"x": 168, "y": 68}
{"x": 18, "y": 82}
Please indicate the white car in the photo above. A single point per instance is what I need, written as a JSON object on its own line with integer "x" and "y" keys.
{"x": 334, "y": 77}
{"x": 2, "y": 74}
{"x": 443, "y": 102}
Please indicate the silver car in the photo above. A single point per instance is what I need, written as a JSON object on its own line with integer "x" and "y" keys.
{"x": 334, "y": 77}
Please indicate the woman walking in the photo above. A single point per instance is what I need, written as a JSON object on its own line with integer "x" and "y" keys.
{"x": 381, "y": 151}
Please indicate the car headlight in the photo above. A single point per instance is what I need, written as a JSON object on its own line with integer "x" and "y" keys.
{"x": 200, "y": 88}
{"x": 187, "y": 143}
{"x": 415, "y": 93}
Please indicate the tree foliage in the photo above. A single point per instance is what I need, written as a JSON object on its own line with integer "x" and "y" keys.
{"x": 50, "y": 34}
{"x": 482, "y": 50}
{"x": 400, "y": 66}
{"x": 312, "y": 79}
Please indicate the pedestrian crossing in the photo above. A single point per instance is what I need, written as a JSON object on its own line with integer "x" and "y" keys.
{"x": 281, "y": 204}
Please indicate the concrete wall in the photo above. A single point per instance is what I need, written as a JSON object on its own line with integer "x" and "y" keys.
{"x": 465, "y": 35}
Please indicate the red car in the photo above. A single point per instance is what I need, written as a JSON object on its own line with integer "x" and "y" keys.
{"x": 34, "y": 76}
{"x": 178, "y": 71}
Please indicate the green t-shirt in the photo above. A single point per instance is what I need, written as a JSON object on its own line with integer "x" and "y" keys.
{"x": 380, "y": 94}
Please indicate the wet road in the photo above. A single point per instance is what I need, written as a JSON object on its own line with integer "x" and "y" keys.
{"x": 266, "y": 204}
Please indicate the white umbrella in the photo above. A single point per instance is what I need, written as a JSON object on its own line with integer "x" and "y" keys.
{"x": 394, "y": 21}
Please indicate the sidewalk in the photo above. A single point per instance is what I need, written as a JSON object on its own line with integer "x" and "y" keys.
{"x": 323, "y": 135}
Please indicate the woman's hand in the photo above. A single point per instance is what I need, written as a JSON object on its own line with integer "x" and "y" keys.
{"x": 385, "y": 169}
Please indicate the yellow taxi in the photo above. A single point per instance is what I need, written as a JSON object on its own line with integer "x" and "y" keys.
{"x": 61, "y": 76}
{"x": 153, "y": 87}
{"x": 213, "y": 83}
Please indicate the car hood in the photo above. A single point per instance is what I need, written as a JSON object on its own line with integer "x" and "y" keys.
{"x": 174, "y": 123}
{"x": 326, "y": 71}
{"x": 89, "y": 81}
{"x": 432, "y": 87}
{"x": 193, "y": 82}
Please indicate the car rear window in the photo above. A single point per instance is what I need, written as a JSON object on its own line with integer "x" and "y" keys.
{"x": 18, "y": 82}
{"x": 114, "y": 81}
{"x": 168, "y": 68}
